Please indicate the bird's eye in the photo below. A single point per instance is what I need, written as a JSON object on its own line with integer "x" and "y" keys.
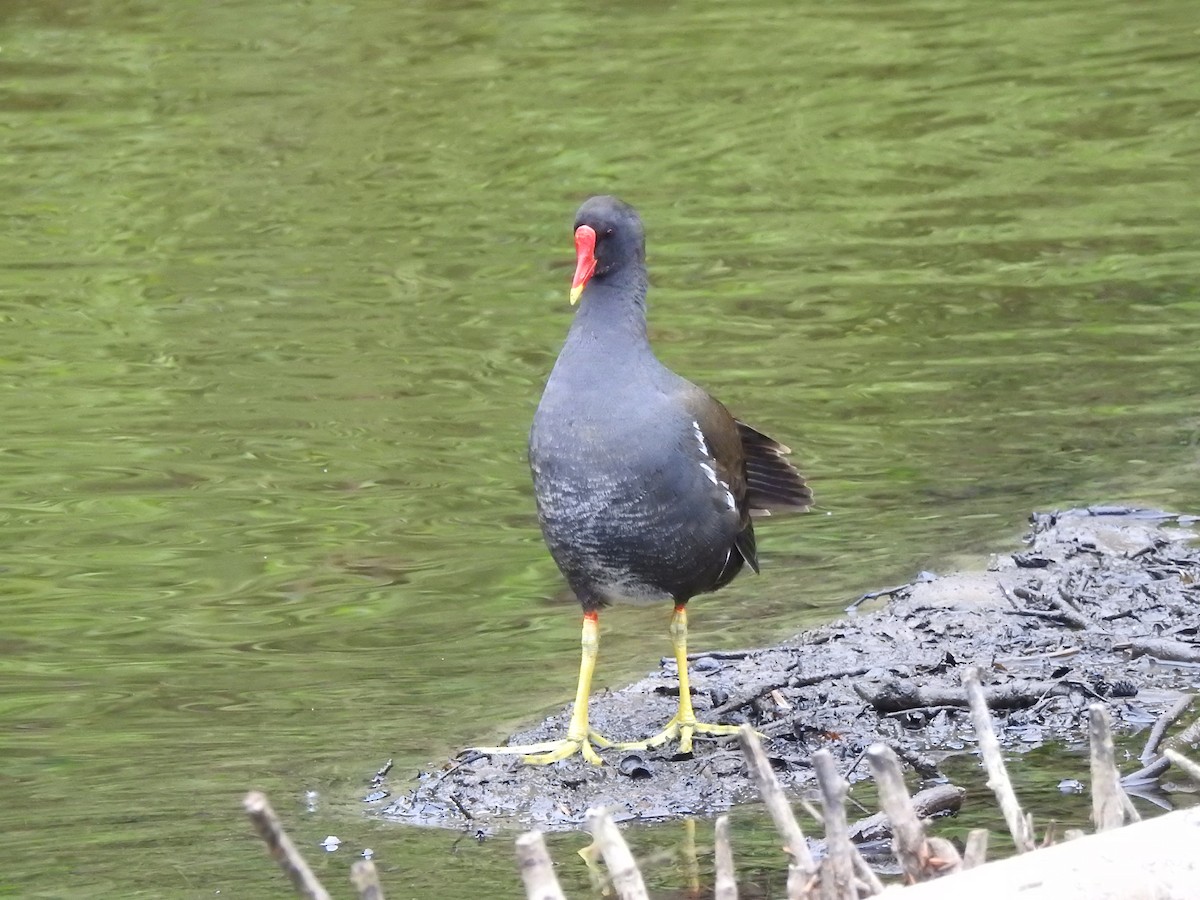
{"x": 608, "y": 231}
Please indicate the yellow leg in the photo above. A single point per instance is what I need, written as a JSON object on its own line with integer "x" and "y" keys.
{"x": 684, "y": 723}
{"x": 579, "y": 738}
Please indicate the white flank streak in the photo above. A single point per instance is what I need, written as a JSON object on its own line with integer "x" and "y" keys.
{"x": 710, "y": 472}
{"x": 700, "y": 437}
{"x": 729, "y": 501}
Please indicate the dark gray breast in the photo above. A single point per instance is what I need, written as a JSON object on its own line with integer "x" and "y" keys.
{"x": 633, "y": 502}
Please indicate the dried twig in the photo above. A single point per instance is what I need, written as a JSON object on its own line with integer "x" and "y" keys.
{"x": 801, "y": 868}
{"x": 725, "y": 886}
{"x": 537, "y": 871}
{"x": 883, "y": 592}
{"x": 281, "y": 848}
{"x": 1111, "y": 807}
{"x": 365, "y": 879}
{"x": 1019, "y": 825}
{"x": 626, "y": 878}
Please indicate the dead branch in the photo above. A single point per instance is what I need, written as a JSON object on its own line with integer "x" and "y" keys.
{"x": 908, "y": 834}
{"x": 837, "y": 872}
{"x": 1019, "y": 825}
{"x": 1111, "y": 806}
{"x": 801, "y": 868}
{"x": 626, "y": 878}
{"x": 1172, "y": 651}
{"x": 975, "y": 853}
{"x": 281, "y": 848}
{"x": 537, "y": 870}
{"x": 365, "y": 879}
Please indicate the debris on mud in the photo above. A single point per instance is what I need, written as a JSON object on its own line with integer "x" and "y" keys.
{"x": 1102, "y": 604}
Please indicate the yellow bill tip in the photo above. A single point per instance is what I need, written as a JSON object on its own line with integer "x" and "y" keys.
{"x": 575, "y": 294}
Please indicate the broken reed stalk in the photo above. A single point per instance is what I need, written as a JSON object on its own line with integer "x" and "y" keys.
{"x": 537, "y": 870}
{"x": 725, "y": 886}
{"x": 1019, "y": 825}
{"x": 837, "y": 872}
{"x": 365, "y": 879}
{"x": 801, "y": 868}
{"x": 281, "y": 848}
{"x": 975, "y": 853}
{"x": 1111, "y": 806}
{"x": 908, "y": 835}
{"x": 622, "y": 869}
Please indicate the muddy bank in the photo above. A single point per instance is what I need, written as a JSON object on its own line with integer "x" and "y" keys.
{"x": 1100, "y": 603}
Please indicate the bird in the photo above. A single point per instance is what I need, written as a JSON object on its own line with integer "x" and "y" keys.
{"x": 646, "y": 486}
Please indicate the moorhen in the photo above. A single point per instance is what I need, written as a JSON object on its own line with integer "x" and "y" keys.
{"x": 646, "y": 486}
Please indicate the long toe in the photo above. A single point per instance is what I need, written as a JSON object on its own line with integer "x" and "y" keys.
{"x": 547, "y": 752}
{"x": 684, "y": 732}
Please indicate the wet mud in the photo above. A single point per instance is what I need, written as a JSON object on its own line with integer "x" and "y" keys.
{"x": 1099, "y": 604}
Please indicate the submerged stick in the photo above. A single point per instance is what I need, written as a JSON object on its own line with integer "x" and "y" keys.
{"x": 801, "y": 869}
{"x": 1111, "y": 807}
{"x": 537, "y": 870}
{"x": 366, "y": 880}
{"x": 939, "y": 799}
{"x": 1019, "y": 825}
{"x": 626, "y": 877}
{"x": 838, "y": 870}
{"x": 725, "y": 886}
{"x": 281, "y": 848}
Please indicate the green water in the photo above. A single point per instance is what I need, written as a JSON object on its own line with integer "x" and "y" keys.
{"x": 279, "y": 285}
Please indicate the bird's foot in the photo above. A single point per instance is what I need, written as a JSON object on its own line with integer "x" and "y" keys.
{"x": 552, "y": 751}
{"x": 683, "y": 729}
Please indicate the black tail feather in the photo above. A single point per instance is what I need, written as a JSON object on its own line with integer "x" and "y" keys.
{"x": 772, "y": 483}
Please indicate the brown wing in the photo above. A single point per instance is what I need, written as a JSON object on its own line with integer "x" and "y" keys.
{"x": 725, "y": 449}
{"x": 772, "y": 483}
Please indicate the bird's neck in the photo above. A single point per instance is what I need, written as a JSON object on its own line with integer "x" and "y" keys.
{"x": 612, "y": 313}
